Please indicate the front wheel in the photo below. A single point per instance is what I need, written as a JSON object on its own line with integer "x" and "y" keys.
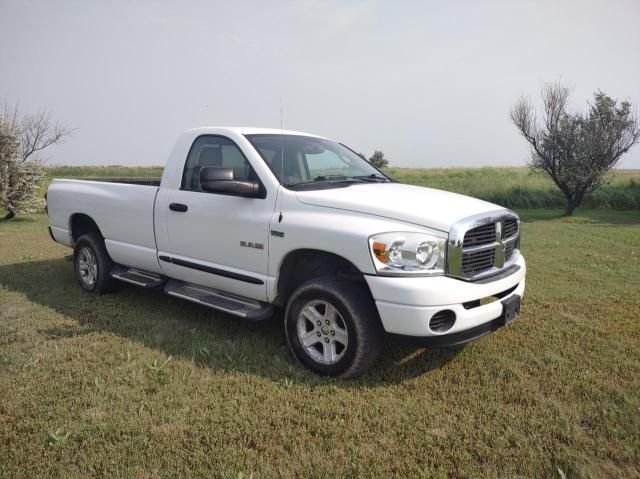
{"x": 333, "y": 328}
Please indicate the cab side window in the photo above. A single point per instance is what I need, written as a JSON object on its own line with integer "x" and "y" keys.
{"x": 214, "y": 151}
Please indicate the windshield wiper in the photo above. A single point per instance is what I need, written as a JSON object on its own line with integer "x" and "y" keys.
{"x": 328, "y": 179}
{"x": 373, "y": 177}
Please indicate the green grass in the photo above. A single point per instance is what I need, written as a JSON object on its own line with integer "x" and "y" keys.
{"x": 104, "y": 171}
{"x": 137, "y": 384}
{"x": 89, "y": 172}
{"x": 516, "y": 188}
{"x": 519, "y": 188}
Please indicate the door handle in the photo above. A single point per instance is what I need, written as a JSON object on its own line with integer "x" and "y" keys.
{"x": 178, "y": 207}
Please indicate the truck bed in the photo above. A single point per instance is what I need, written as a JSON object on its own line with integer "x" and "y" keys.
{"x": 123, "y": 207}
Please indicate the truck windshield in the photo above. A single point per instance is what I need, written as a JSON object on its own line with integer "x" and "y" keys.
{"x": 308, "y": 162}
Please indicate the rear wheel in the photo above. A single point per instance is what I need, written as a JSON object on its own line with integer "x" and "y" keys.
{"x": 92, "y": 264}
{"x": 333, "y": 327}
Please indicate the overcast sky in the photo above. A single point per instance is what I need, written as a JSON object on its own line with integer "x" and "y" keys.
{"x": 429, "y": 83}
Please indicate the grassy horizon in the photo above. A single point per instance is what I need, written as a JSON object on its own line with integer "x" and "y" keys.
{"x": 512, "y": 187}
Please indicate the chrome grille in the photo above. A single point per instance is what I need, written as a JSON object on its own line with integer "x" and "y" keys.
{"x": 480, "y": 236}
{"x": 481, "y": 246}
{"x": 509, "y": 248}
{"x": 473, "y": 263}
{"x": 510, "y": 228}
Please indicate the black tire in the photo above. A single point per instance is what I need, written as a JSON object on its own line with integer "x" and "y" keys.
{"x": 356, "y": 313}
{"x": 91, "y": 243}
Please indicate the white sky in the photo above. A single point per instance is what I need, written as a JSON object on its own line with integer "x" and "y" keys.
{"x": 429, "y": 83}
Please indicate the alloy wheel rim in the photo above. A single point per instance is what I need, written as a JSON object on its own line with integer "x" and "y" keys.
{"x": 87, "y": 266}
{"x": 322, "y": 332}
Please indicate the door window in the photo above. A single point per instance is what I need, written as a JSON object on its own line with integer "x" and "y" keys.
{"x": 214, "y": 151}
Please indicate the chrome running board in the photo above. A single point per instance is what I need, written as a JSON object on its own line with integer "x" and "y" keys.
{"x": 137, "y": 277}
{"x": 219, "y": 300}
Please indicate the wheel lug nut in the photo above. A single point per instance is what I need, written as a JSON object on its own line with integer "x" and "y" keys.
{"x": 327, "y": 321}
{"x": 319, "y": 323}
{"x": 318, "y": 333}
{"x": 333, "y": 333}
{"x": 326, "y": 340}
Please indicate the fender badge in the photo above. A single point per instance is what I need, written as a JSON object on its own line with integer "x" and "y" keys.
{"x": 251, "y": 244}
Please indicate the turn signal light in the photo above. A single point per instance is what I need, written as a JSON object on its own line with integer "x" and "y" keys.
{"x": 380, "y": 250}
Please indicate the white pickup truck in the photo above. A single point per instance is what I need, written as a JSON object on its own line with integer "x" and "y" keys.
{"x": 247, "y": 219}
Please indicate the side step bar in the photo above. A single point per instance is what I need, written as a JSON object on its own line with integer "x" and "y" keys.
{"x": 229, "y": 303}
{"x": 140, "y": 278}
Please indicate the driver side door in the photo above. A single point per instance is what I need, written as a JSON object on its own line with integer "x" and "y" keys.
{"x": 218, "y": 240}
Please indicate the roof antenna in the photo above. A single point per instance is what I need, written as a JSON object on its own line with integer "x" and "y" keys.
{"x": 281, "y": 159}
{"x": 281, "y": 145}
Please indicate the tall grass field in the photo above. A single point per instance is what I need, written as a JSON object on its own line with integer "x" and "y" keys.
{"x": 511, "y": 187}
{"x": 520, "y": 188}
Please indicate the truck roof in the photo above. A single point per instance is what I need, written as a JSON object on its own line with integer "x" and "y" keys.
{"x": 247, "y": 130}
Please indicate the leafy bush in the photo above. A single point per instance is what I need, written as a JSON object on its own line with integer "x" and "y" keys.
{"x": 18, "y": 178}
{"x": 23, "y": 138}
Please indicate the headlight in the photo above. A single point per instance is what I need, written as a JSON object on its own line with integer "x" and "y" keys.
{"x": 408, "y": 253}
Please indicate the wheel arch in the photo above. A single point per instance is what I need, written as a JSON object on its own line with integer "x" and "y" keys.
{"x": 302, "y": 265}
{"x": 80, "y": 224}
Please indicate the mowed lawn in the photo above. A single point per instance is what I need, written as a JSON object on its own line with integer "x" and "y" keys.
{"x": 137, "y": 384}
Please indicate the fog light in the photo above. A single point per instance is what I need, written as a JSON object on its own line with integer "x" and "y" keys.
{"x": 442, "y": 321}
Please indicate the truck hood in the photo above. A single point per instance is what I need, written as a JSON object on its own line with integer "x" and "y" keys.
{"x": 422, "y": 206}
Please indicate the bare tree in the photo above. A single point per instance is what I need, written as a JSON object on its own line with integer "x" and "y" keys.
{"x": 38, "y": 131}
{"x": 378, "y": 160}
{"x": 576, "y": 150}
{"x": 24, "y": 138}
